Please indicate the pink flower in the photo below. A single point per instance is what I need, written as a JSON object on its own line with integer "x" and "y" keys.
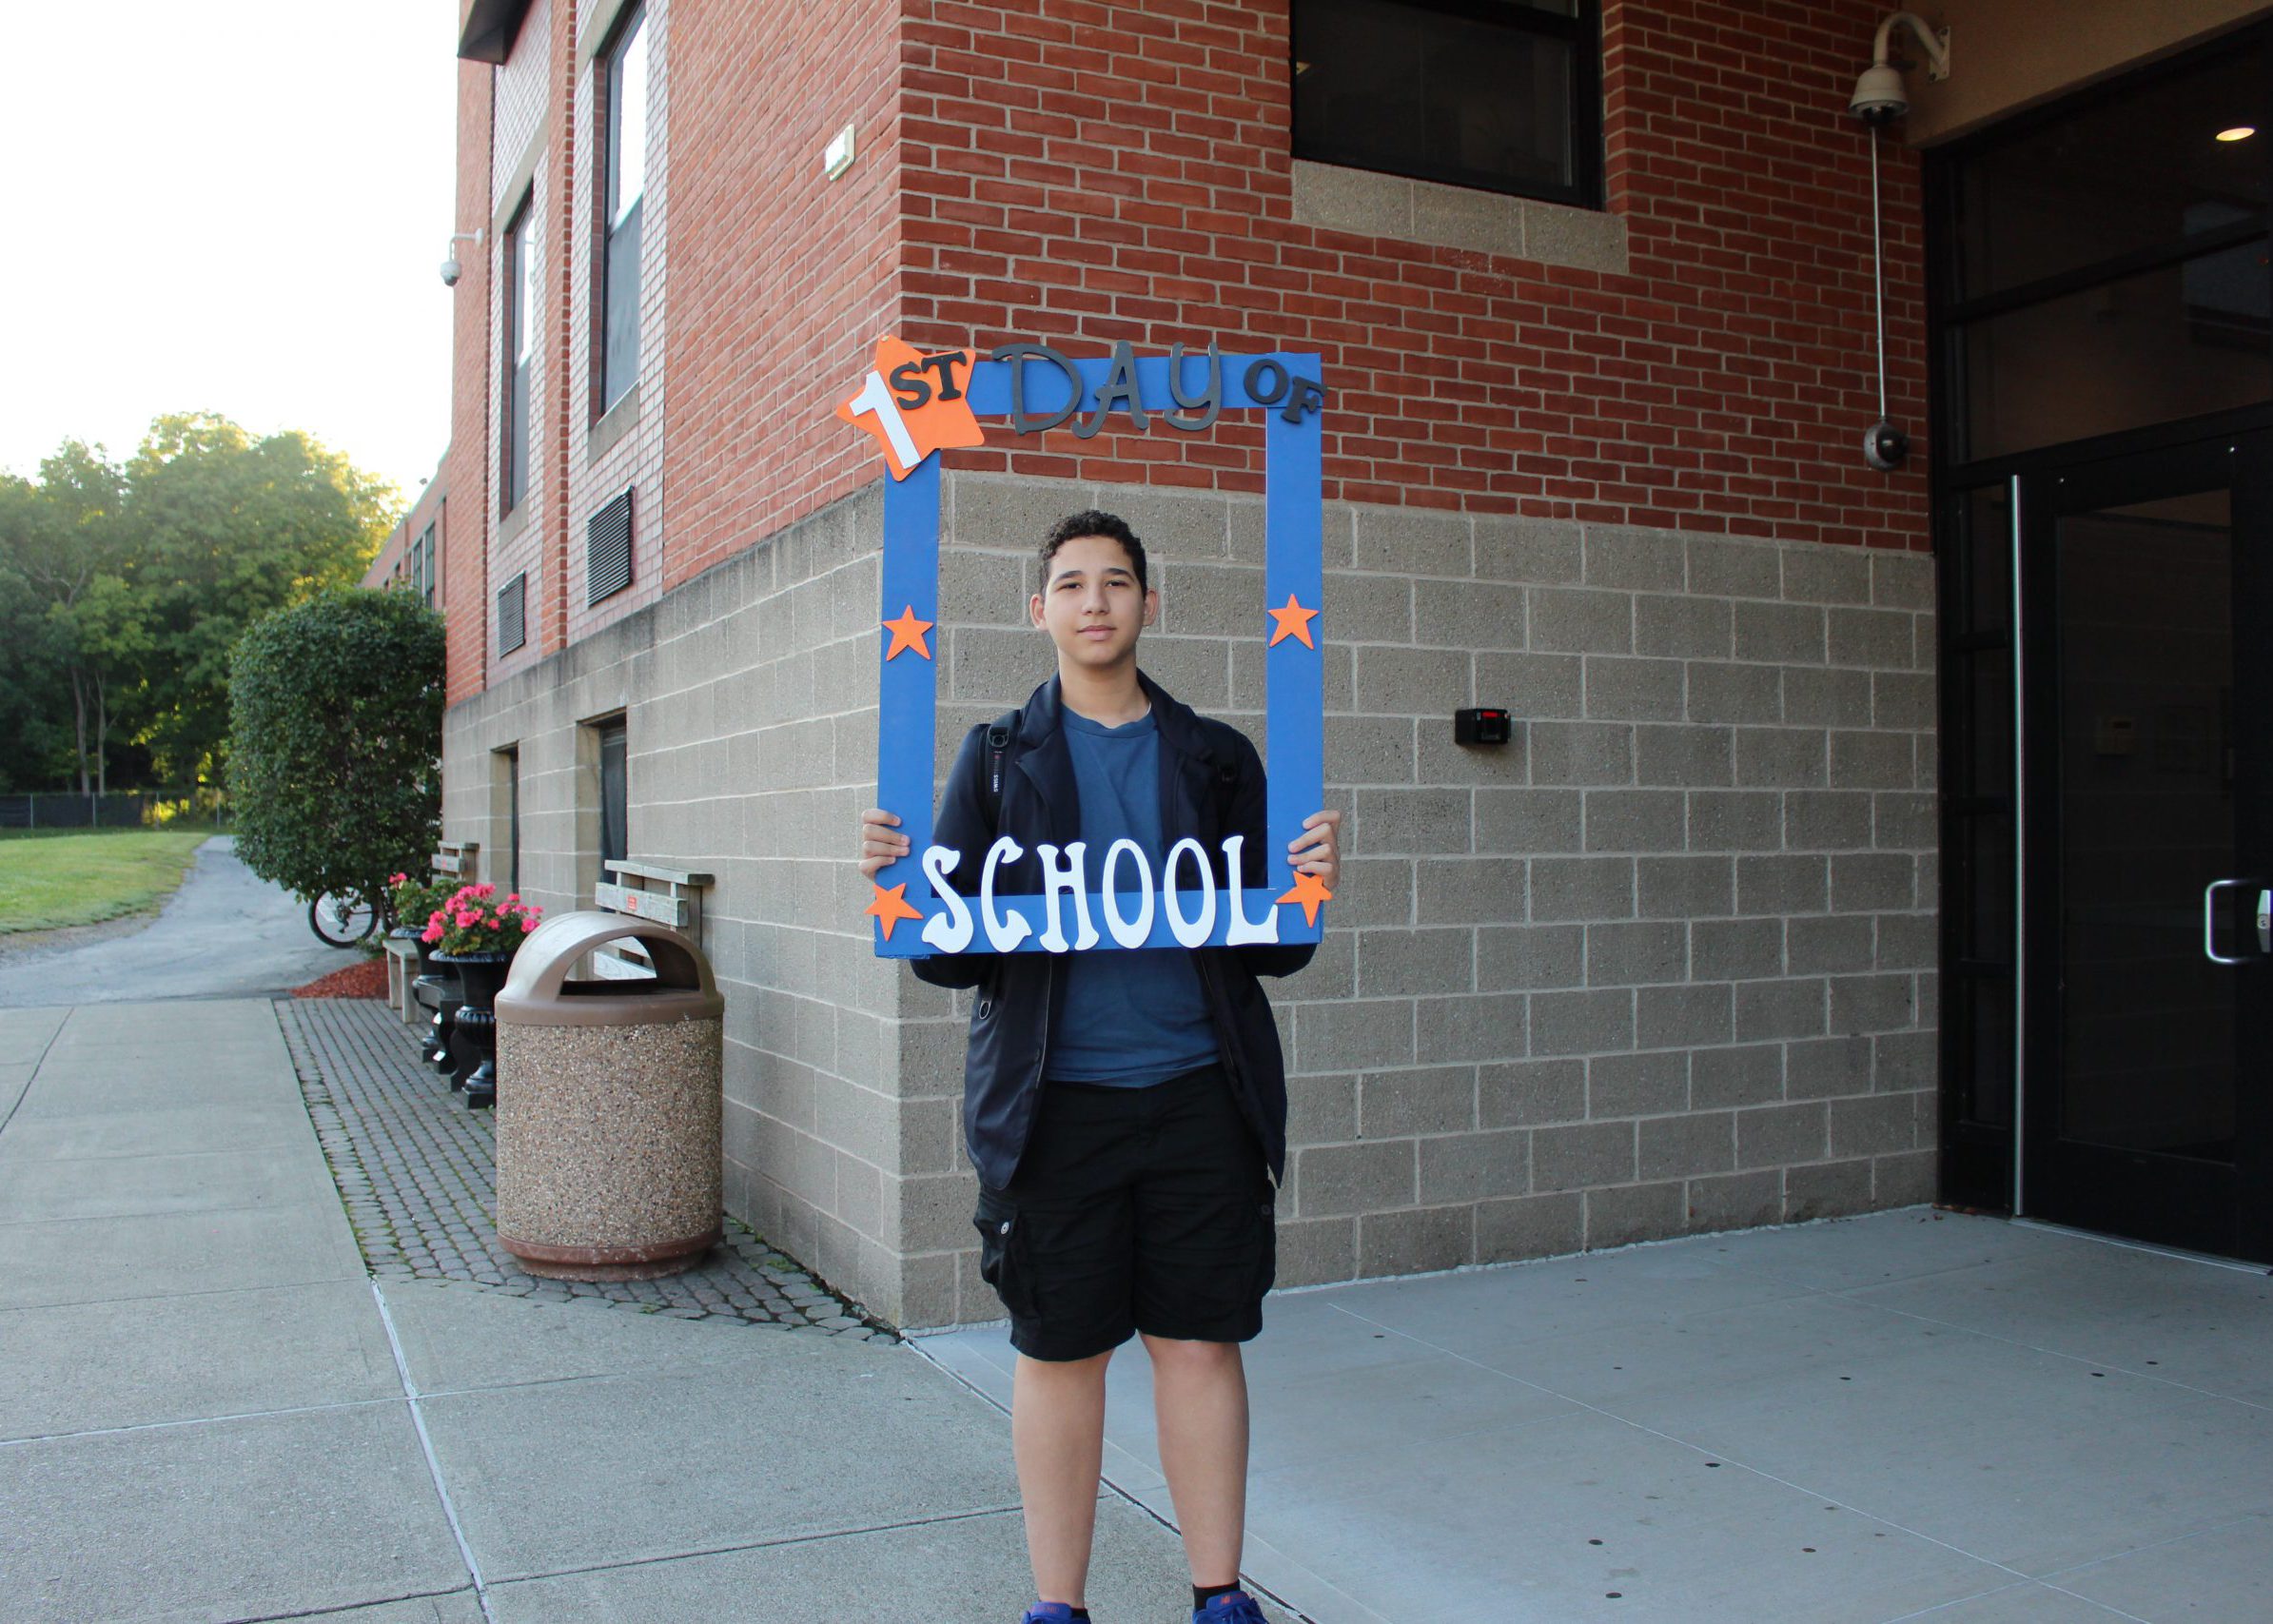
{"x": 513, "y": 896}
{"x": 485, "y": 889}
{"x": 497, "y": 925}
{"x": 396, "y": 879}
{"x": 433, "y": 932}
{"x": 528, "y": 925}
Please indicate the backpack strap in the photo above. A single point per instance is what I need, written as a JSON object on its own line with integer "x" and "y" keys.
{"x": 1000, "y": 733}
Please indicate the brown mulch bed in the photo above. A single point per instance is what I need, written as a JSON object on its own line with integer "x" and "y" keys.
{"x": 364, "y": 980}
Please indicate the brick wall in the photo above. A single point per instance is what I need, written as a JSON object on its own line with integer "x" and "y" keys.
{"x": 627, "y": 450}
{"x": 467, "y": 463}
{"x": 781, "y": 280}
{"x": 1663, "y": 963}
{"x": 1094, "y": 172}
{"x": 521, "y": 542}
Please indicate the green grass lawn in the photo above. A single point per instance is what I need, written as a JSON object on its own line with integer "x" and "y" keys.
{"x": 49, "y": 878}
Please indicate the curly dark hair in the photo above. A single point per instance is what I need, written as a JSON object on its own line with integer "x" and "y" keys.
{"x": 1092, "y": 522}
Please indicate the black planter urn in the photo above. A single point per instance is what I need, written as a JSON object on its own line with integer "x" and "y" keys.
{"x": 480, "y": 978}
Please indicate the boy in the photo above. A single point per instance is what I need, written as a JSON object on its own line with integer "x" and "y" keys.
{"x": 1127, "y": 1110}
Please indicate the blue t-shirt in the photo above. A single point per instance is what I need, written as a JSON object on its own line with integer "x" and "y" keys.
{"x": 1130, "y": 1017}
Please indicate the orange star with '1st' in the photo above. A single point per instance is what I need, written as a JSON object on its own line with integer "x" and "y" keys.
{"x": 915, "y": 404}
{"x": 893, "y": 906}
{"x": 1294, "y": 621}
{"x": 1310, "y": 891}
{"x": 906, "y": 633}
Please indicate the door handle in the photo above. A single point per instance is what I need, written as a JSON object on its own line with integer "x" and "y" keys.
{"x": 2209, "y": 921}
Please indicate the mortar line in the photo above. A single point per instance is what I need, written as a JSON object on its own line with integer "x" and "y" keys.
{"x": 433, "y": 1468}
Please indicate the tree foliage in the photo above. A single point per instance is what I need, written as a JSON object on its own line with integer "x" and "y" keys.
{"x": 336, "y": 717}
{"x": 124, "y": 587}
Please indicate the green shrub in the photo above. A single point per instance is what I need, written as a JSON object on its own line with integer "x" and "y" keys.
{"x": 336, "y": 714}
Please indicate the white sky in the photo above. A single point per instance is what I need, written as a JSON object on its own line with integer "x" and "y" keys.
{"x": 229, "y": 206}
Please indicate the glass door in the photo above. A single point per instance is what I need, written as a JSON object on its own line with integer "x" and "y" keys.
{"x": 2146, "y": 862}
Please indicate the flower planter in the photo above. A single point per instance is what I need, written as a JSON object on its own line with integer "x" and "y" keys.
{"x": 480, "y": 978}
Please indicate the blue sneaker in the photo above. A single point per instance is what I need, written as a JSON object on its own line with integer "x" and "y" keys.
{"x": 1048, "y": 1612}
{"x": 1233, "y": 1607}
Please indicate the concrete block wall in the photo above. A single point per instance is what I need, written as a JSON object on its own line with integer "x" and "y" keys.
{"x": 1664, "y": 963}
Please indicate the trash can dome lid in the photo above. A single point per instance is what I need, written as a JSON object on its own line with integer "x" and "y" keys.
{"x": 539, "y": 992}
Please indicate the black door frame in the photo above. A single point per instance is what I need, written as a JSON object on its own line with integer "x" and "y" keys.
{"x": 2146, "y": 1197}
{"x": 1980, "y": 1140}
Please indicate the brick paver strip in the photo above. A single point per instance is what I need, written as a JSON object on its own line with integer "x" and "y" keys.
{"x": 416, "y": 1172}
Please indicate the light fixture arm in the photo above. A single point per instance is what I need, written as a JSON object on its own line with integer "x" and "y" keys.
{"x": 1936, "y": 44}
{"x": 474, "y": 236}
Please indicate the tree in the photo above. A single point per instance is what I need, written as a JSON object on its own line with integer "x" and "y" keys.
{"x": 336, "y": 717}
{"x": 225, "y": 529}
{"x": 143, "y": 577}
{"x": 68, "y": 542}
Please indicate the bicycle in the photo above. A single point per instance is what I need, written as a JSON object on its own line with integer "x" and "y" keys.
{"x": 342, "y": 918}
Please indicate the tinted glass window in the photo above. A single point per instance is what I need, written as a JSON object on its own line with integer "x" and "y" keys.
{"x": 2141, "y": 168}
{"x": 1494, "y": 94}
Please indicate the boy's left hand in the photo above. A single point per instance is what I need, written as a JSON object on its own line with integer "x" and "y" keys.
{"x": 1319, "y": 849}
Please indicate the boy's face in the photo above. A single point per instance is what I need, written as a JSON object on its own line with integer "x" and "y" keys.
{"x": 1091, "y": 605}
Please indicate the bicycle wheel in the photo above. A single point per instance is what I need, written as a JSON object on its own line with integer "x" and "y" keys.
{"x": 341, "y": 919}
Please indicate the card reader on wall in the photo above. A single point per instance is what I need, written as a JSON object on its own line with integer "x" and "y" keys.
{"x": 1482, "y": 727}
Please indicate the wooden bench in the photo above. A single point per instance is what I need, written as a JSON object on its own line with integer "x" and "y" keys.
{"x": 401, "y": 971}
{"x": 667, "y": 897}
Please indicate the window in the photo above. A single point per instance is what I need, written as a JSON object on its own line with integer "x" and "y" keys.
{"x": 519, "y": 331}
{"x": 625, "y": 66}
{"x": 424, "y": 567}
{"x": 2103, "y": 263}
{"x": 505, "y": 786}
{"x": 1501, "y": 94}
{"x": 614, "y": 844}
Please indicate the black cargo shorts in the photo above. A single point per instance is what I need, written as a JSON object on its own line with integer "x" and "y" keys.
{"x": 1132, "y": 1209}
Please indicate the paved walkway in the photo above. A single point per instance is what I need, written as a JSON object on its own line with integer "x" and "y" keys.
{"x": 210, "y": 1411}
{"x": 1914, "y": 1415}
{"x": 417, "y": 1172}
{"x": 224, "y": 934}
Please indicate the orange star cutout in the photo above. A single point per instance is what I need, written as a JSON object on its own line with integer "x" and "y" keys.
{"x": 906, "y": 633}
{"x": 1308, "y": 890}
{"x": 1294, "y": 621}
{"x": 893, "y": 906}
{"x": 915, "y": 404}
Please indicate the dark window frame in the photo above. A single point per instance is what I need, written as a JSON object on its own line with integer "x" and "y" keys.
{"x": 515, "y": 362}
{"x": 1584, "y": 32}
{"x": 619, "y": 257}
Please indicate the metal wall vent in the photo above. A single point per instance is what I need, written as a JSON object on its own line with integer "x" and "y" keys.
{"x": 607, "y": 549}
{"x": 512, "y": 619}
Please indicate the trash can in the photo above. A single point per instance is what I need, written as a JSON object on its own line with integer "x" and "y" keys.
{"x": 607, "y": 1124}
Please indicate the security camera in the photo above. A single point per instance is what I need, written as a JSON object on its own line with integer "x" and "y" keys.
{"x": 1880, "y": 97}
{"x": 1884, "y": 447}
{"x": 452, "y": 271}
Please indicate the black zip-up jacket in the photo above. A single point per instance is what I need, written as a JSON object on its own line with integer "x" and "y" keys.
{"x": 1020, "y": 995}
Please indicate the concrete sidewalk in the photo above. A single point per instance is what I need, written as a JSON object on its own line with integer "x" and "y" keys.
{"x": 210, "y": 1411}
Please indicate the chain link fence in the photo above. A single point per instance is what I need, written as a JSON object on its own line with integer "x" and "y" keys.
{"x": 135, "y": 809}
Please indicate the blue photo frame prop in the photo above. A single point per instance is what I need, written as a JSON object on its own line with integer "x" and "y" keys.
{"x": 908, "y": 670}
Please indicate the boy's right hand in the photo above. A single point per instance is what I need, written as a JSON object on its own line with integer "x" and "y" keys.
{"x": 879, "y": 842}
